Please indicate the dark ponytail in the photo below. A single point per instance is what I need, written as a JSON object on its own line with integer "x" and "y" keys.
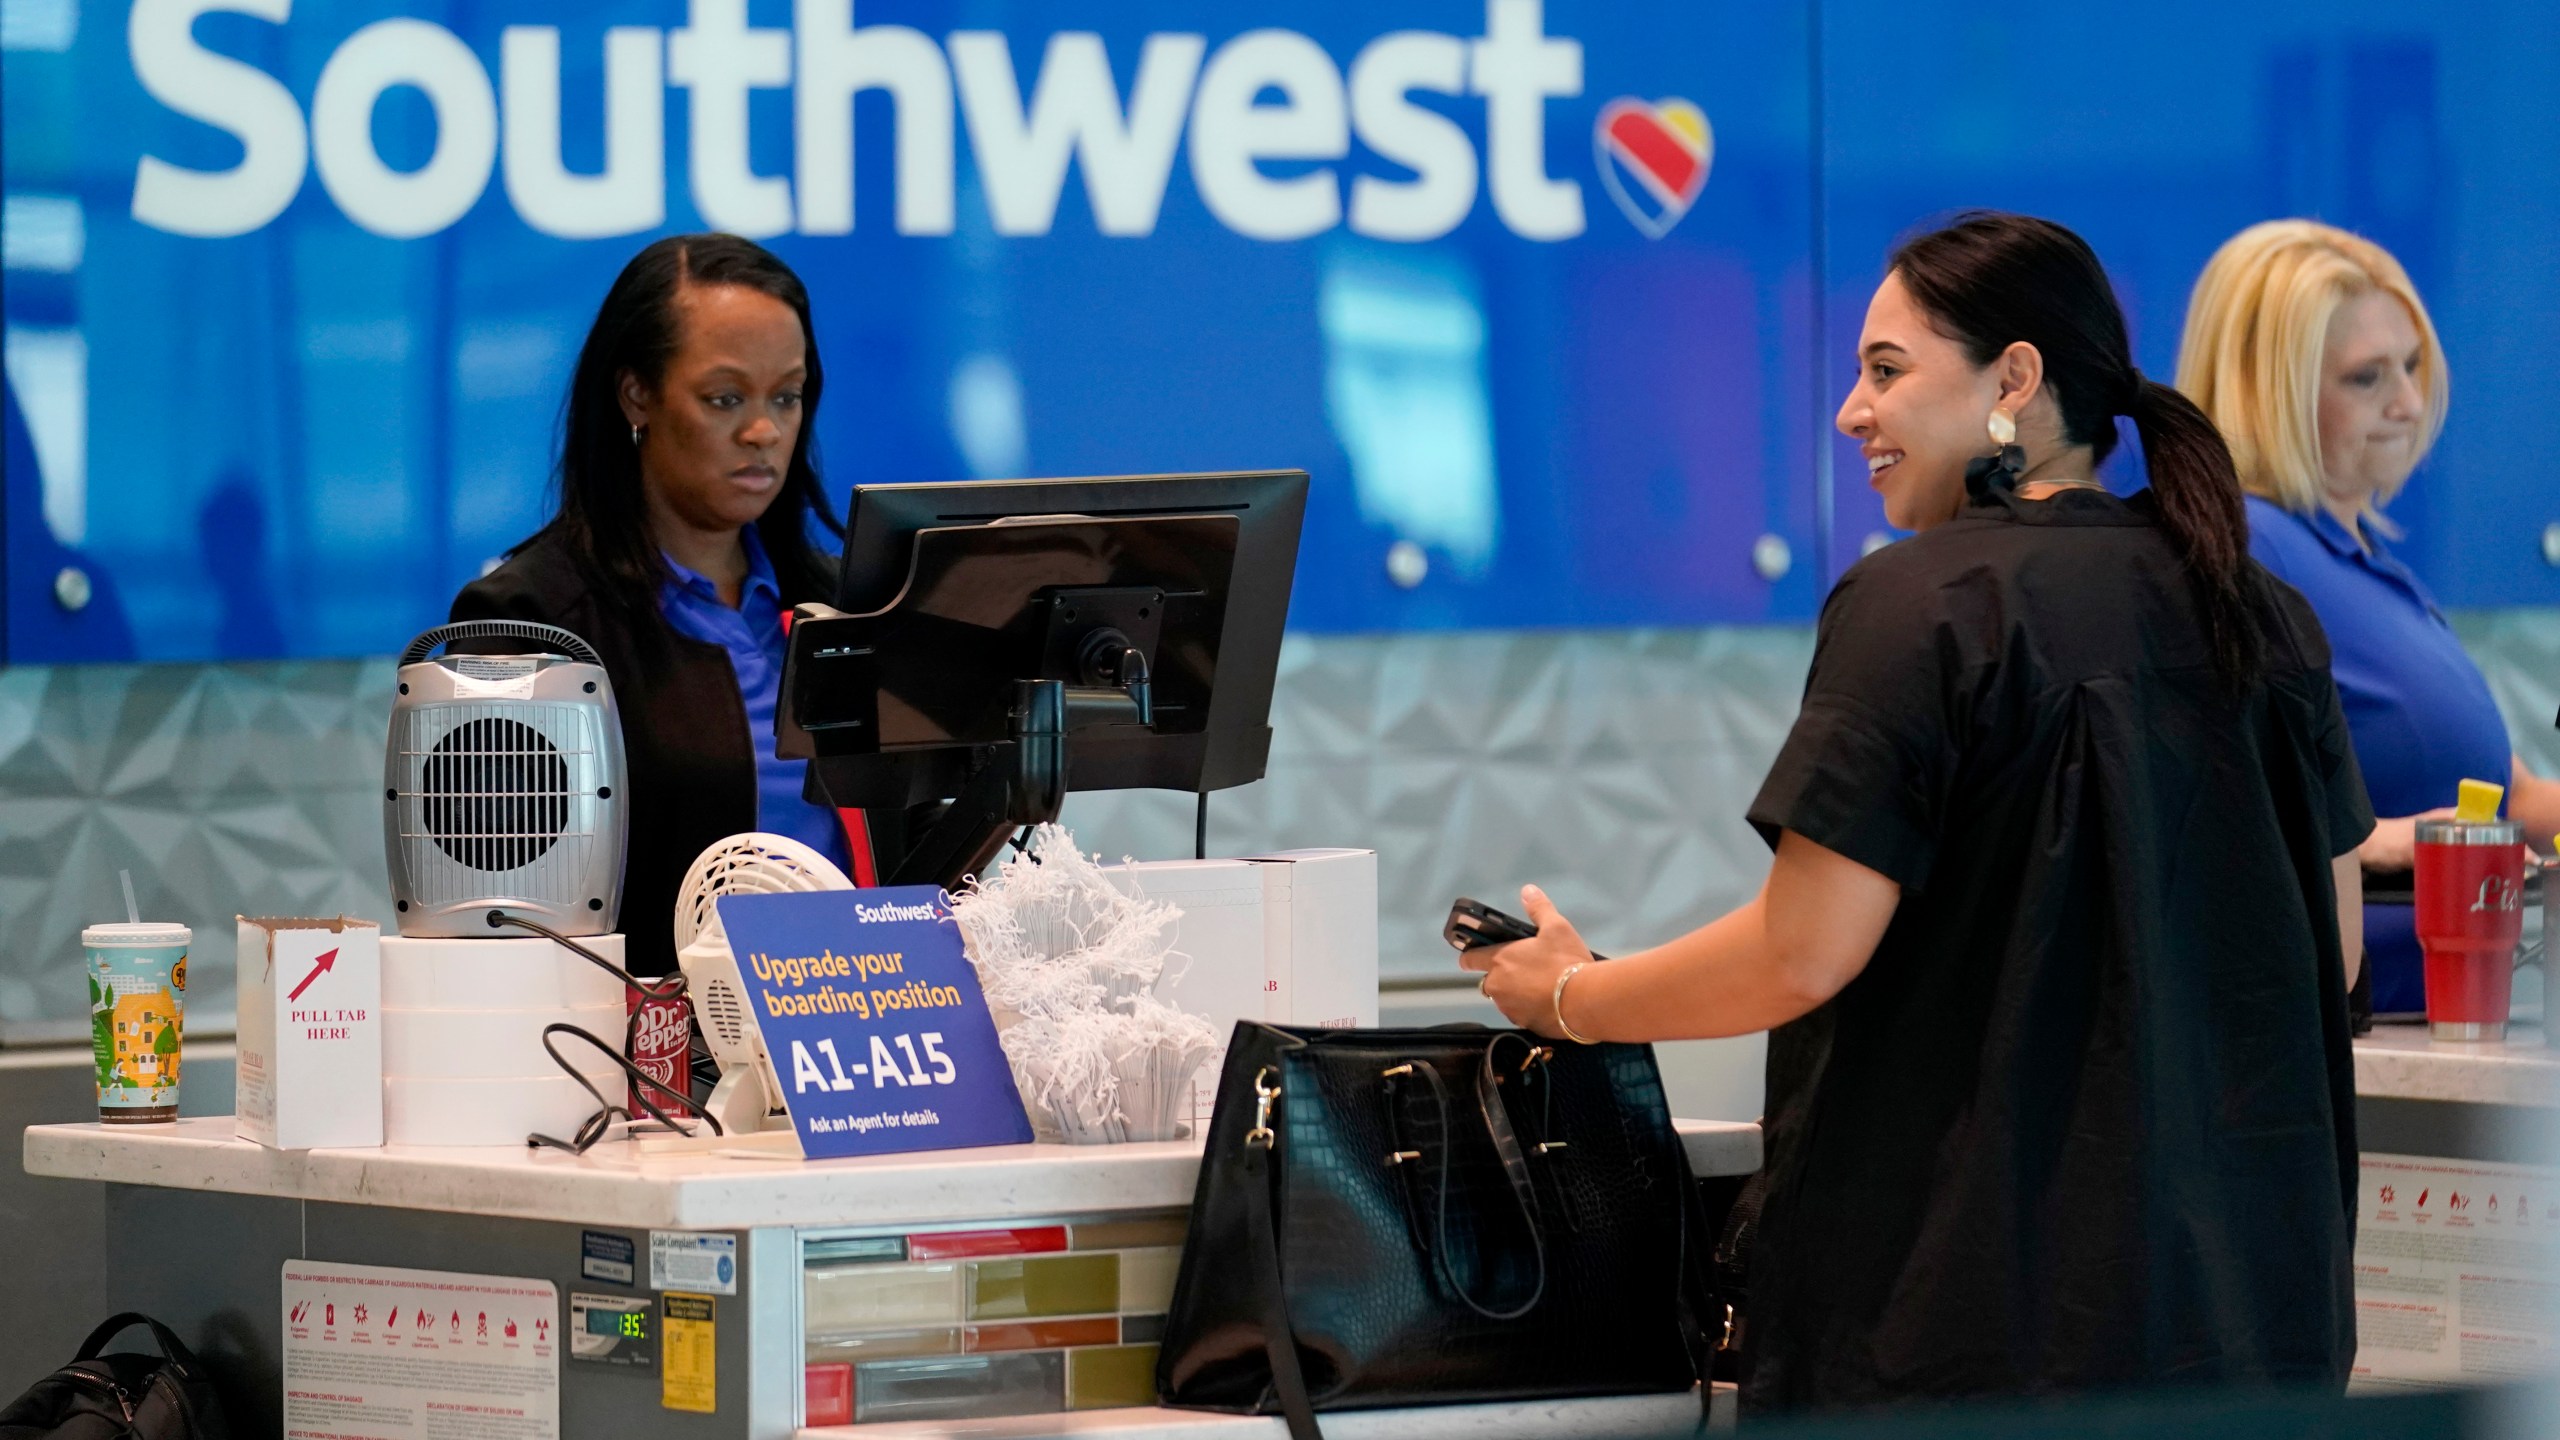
{"x": 2198, "y": 491}
{"x": 1990, "y": 280}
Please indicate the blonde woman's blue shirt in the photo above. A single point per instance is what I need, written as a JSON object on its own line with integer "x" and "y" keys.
{"x": 2418, "y": 708}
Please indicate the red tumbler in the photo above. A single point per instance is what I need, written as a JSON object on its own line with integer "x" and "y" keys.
{"x": 2470, "y": 875}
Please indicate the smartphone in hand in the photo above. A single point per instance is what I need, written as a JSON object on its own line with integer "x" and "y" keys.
{"x": 1473, "y": 923}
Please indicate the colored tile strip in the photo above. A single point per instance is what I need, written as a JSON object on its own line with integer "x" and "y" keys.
{"x": 1107, "y": 1379}
{"x": 854, "y": 1250}
{"x": 961, "y": 1387}
{"x": 852, "y": 1298}
{"x": 1042, "y": 1334}
{"x": 1167, "y": 1229}
{"x": 1044, "y": 1285}
{"x": 830, "y": 1394}
{"x": 1146, "y": 1280}
{"x": 968, "y": 1244}
{"x": 881, "y": 1345}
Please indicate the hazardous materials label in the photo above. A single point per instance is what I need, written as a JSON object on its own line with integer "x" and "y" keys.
{"x": 2453, "y": 1269}
{"x": 418, "y": 1354}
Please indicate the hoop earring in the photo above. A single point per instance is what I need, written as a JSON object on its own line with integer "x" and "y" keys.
{"x": 637, "y": 431}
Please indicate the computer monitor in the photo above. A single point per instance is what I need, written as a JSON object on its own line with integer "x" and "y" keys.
{"x": 997, "y": 643}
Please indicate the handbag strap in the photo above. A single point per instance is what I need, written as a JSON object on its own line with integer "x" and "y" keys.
{"x": 171, "y": 1347}
{"x": 1279, "y": 1338}
{"x": 1515, "y": 1170}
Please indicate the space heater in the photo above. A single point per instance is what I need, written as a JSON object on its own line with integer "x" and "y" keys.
{"x": 502, "y": 819}
{"x": 503, "y": 785}
{"x": 747, "y": 1098}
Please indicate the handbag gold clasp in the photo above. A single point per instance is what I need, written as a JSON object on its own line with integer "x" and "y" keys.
{"x": 1538, "y": 1055}
{"x": 1265, "y": 1091}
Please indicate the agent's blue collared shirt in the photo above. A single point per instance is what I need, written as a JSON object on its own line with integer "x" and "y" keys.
{"x": 752, "y": 634}
{"x": 2418, "y": 708}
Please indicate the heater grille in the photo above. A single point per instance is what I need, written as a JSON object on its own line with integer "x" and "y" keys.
{"x": 504, "y": 801}
{"x": 495, "y": 794}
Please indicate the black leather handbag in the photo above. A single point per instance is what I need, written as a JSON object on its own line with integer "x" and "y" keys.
{"x": 1413, "y": 1217}
{"x": 120, "y": 1397}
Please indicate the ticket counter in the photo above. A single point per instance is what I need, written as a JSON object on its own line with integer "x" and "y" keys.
{"x": 2455, "y": 1235}
{"x": 894, "y": 1296}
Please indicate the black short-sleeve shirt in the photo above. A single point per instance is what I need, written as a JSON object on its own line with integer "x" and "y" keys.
{"x": 2087, "y": 1117}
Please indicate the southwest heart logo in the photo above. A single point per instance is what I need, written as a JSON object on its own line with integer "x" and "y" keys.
{"x": 1654, "y": 157}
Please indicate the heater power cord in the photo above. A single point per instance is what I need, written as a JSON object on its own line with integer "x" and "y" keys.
{"x": 606, "y": 1111}
{"x": 664, "y": 987}
{"x": 667, "y": 987}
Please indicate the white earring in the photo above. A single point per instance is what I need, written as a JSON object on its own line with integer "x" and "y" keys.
{"x": 2004, "y": 429}
{"x": 636, "y": 432}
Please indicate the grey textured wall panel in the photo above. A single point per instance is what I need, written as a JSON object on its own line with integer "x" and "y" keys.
{"x": 2519, "y": 650}
{"x": 224, "y": 788}
{"x": 1611, "y": 766}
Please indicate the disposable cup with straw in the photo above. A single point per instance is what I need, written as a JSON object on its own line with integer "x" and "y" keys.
{"x": 137, "y": 1007}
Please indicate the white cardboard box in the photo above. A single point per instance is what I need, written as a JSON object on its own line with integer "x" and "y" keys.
{"x": 310, "y": 1033}
{"x": 1219, "y": 943}
{"x": 1320, "y": 937}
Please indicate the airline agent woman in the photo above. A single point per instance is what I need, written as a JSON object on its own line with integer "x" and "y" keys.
{"x": 2313, "y": 354}
{"x": 687, "y": 488}
{"x": 2060, "y": 1094}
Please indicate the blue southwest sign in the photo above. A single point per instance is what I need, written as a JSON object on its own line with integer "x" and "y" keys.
{"x": 872, "y": 1014}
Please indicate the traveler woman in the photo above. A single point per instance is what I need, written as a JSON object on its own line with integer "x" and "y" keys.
{"x": 2313, "y": 354}
{"x": 2058, "y": 1080}
{"x": 688, "y": 484}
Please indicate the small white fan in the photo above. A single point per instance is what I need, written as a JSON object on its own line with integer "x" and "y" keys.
{"x": 751, "y": 864}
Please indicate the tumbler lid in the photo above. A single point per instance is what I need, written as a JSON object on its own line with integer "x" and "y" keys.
{"x": 2476, "y": 801}
{"x": 148, "y": 932}
{"x": 2464, "y": 832}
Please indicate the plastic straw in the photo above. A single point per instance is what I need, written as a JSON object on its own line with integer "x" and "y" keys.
{"x": 132, "y": 911}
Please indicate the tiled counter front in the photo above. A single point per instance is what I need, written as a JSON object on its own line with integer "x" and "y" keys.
{"x": 953, "y": 1324}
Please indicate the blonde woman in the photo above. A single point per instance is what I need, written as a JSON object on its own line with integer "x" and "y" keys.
{"x": 2315, "y": 357}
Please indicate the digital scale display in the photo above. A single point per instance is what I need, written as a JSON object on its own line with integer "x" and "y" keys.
{"x": 611, "y": 1329}
{"x": 622, "y": 1325}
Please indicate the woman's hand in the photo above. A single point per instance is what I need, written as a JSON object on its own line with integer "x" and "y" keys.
{"x": 1520, "y": 978}
{"x": 2393, "y": 845}
{"x": 2534, "y": 803}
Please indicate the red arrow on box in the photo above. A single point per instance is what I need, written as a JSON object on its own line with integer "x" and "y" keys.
{"x": 327, "y": 960}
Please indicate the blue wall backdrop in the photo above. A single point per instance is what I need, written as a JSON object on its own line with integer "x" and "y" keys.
{"x": 1554, "y": 300}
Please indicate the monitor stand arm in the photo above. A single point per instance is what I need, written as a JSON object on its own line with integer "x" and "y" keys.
{"x": 1023, "y": 781}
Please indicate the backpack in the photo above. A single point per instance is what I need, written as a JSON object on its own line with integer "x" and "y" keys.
{"x": 120, "y": 1397}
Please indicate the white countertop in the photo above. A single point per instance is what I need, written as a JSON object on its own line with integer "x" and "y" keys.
{"x": 1615, "y": 1415}
{"x": 2401, "y": 1062}
{"x": 611, "y": 1185}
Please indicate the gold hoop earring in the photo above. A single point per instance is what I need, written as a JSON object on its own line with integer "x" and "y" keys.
{"x": 2003, "y": 428}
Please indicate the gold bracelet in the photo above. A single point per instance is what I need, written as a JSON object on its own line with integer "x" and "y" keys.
{"x": 1561, "y": 1023}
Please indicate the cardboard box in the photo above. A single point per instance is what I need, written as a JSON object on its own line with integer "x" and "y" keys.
{"x": 1219, "y": 945}
{"x": 310, "y": 1039}
{"x": 1320, "y": 937}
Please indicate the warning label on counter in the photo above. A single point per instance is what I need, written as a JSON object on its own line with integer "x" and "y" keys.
{"x": 2454, "y": 1260}
{"x": 379, "y": 1354}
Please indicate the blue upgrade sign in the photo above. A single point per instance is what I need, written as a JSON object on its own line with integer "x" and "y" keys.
{"x": 872, "y": 1014}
